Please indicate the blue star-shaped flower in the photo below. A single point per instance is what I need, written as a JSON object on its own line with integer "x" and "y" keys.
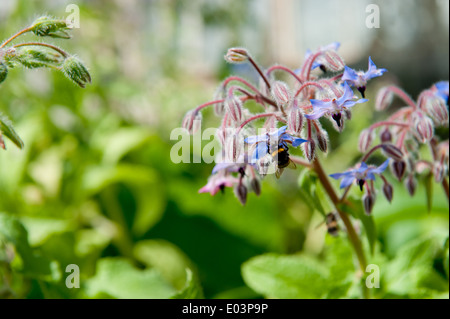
{"x": 334, "y": 107}
{"x": 360, "y": 175}
{"x": 265, "y": 141}
{"x": 442, "y": 89}
{"x": 359, "y": 79}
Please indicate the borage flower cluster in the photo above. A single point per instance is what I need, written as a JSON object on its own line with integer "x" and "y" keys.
{"x": 320, "y": 88}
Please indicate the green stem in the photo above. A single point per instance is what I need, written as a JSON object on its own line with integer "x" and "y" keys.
{"x": 15, "y": 36}
{"x": 354, "y": 239}
{"x": 60, "y": 51}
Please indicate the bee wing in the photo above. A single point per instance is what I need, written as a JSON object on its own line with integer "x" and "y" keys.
{"x": 278, "y": 172}
{"x": 291, "y": 164}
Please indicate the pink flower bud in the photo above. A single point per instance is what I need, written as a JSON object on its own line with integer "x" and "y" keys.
{"x": 236, "y": 55}
{"x": 365, "y": 140}
{"x": 233, "y": 105}
{"x": 241, "y": 192}
{"x": 398, "y": 169}
{"x": 333, "y": 61}
{"x": 256, "y": 186}
{"x": 386, "y": 136}
{"x": 369, "y": 202}
{"x": 384, "y": 99}
{"x": 388, "y": 191}
{"x": 436, "y": 108}
{"x": 191, "y": 121}
{"x": 411, "y": 184}
{"x": 281, "y": 93}
{"x": 322, "y": 140}
{"x": 392, "y": 151}
{"x": 295, "y": 119}
{"x": 438, "y": 172}
{"x": 423, "y": 127}
{"x": 309, "y": 149}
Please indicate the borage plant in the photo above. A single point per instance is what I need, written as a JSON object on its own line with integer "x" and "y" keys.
{"x": 292, "y": 115}
{"x": 34, "y": 55}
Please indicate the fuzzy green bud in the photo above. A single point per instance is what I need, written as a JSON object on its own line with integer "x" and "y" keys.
{"x": 3, "y": 72}
{"x": 75, "y": 70}
{"x": 50, "y": 27}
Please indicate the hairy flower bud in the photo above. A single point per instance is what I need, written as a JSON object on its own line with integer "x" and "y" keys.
{"x": 369, "y": 202}
{"x": 295, "y": 119}
{"x": 233, "y": 106}
{"x": 236, "y": 55}
{"x": 240, "y": 190}
{"x": 411, "y": 184}
{"x": 281, "y": 93}
{"x": 48, "y": 26}
{"x": 365, "y": 140}
{"x": 3, "y": 72}
{"x": 256, "y": 186}
{"x": 384, "y": 99}
{"x": 309, "y": 149}
{"x": 388, "y": 191}
{"x": 219, "y": 108}
{"x": 423, "y": 127}
{"x": 333, "y": 61}
{"x": 392, "y": 151}
{"x": 75, "y": 70}
{"x": 191, "y": 121}
{"x": 322, "y": 140}
{"x": 435, "y": 107}
{"x": 386, "y": 136}
{"x": 438, "y": 172}
{"x": 398, "y": 169}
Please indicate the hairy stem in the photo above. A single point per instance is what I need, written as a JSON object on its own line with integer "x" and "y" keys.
{"x": 53, "y": 47}
{"x": 15, "y": 36}
{"x": 258, "y": 69}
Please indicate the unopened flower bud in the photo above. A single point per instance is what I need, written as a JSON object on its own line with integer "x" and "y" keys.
{"x": 392, "y": 151}
{"x": 348, "y": 114}
{"x": 48, "y": 26}
{"x": 233, "y": 105}
{"x": 398, "y": 169}
{"x": 236, "y": 55}
{"x": 423, "y": 127}
{"x": 369, "y": 202}
{"x": 281, "y": 93}
{"x": 256, "y": 186}
{"x": 386, "y": 136}
{"x": 365, "y": 140}
{"x": 384, "y": 99}
{"x": 435, "y": 107}
{"x": 192, "y": 121}
{"x": 219, "y": 108}
{"x": 411, "y": 184}
{"x": 388, "y": 191}
{"x": 75, "y": 70}
{"x": 3, "y": 72}
{"x": 322, "y": 140}
{"x": 240, "y": 190}
{"x": 333, "y": 61}
{"x": 295, "y": 119}
{"x": 438, "y": 172}
{"x": 309, "y": 149}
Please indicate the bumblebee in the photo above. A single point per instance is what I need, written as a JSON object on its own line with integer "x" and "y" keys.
{"x": 281, "y": 156}
{"x": 332, "y": 224}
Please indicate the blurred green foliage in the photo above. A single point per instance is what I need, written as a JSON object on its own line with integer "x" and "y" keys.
{"x": 94, "y": 186}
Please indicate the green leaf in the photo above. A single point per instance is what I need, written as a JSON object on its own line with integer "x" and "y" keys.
{"x": 174, "y": 266}
{"x": 355, "y": 208}
{"x": 281, "y": 276}
{"x": 26, "y": 261}
{"x": 40, "y": 229}
{"x": 7, "y": 130}
{"x": 117, "y": 278}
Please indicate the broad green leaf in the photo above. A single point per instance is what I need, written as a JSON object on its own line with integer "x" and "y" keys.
{"x": 192, "y": 289}
{"x": 118, "y": 278}
{"x": 171, "y": 262}
{"x": 39, "y": 229}
{"x": 7, "y": 130}
{"x": 281, "y": 276}
{"x": 26, "y": 261}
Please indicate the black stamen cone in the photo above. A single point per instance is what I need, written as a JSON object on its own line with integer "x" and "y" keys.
{"x": 322, "y": 67}
{"x": 222, "y": 188}
{"x": 362, "y": 90}
{"x": 242, "y": 171}
{"x": 361, "y": 184}
{"x": 337, "y": 118}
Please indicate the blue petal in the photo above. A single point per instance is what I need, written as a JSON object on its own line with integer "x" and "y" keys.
{"x": 349, "y": 75}
{"x": 338, "y": 175}
{"x": 219, "y": 167}
{"x": 380, "y": 169}
{"x": 320, "y": 103}
{"x": 316, "y": 114}
{"x": 256, "y": 139}
{"x": 259, "y": 152}
{"x": 348, "y": 94}
{"x": 370, "y": 176}
{"x": 346, "y": 181}
{"x": 296, "y": 141}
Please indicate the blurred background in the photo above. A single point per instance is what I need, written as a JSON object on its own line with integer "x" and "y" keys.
{"x": 95, "y": 186}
